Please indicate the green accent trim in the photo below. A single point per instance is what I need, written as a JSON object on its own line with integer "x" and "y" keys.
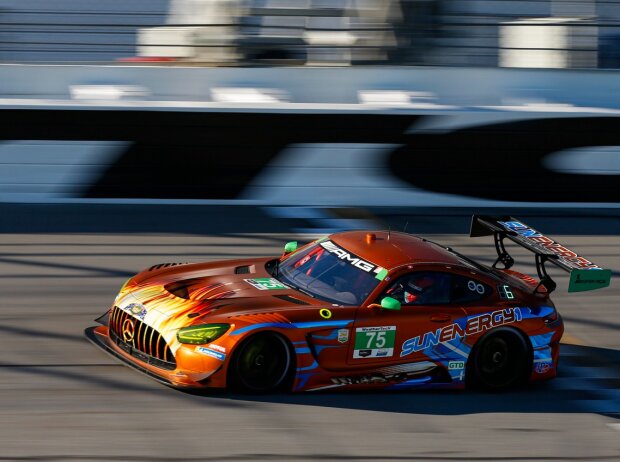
{"x": 389, "y": 303}
{"x": 290, "y": 247}
{"x": 325, "y": 313}
{"x": 588, "y": 279}
{"x": 381, "y": 274}
{"x": 199, "y": 335}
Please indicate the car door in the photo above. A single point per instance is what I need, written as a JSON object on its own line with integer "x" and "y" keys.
{"x": 423, "y": 325}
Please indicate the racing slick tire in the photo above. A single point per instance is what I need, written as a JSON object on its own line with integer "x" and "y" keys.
{"x": 500, "y": 360}
{"x": 263, "y": 363}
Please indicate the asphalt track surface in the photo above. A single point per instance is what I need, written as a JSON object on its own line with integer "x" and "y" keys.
{"x": 63, "y": 399}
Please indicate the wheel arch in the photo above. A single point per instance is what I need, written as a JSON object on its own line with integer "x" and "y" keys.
{"x": 469, "y": 373}
{"x": 231, "y": 381}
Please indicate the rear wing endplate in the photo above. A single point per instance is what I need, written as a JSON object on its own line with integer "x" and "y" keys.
{"x": 584, "y": 275}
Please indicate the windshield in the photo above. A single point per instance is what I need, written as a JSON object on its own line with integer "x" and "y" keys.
{"x": 327, "y": 271}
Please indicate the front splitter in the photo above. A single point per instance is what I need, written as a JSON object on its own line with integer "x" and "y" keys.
{"x": 100, "y": 340}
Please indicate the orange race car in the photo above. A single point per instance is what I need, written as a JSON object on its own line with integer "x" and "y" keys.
{"x": 354, "y": 310}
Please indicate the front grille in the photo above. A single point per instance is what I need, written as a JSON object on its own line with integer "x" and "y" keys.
{"x": 147, "y": 344}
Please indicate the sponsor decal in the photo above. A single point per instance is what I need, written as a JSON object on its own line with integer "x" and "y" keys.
{"x": 360, "y": 380}
{"x": 136, "y": 309}
{"x": 343, "y": 335}
{"x": 354, "y": 260}
{"x": 456, "y": 365}
{"x": 374, "y": 342}
{"x": 325, "y": 313}
{"x": 475, "y": 287}
{"x": 544, "y": 243}
{"x": 210, "y": 352}
{"x": 393, "y": 374}
{"x": 266, "y": 284}
{"x": 221, "y": 349}
{"x": 543, "y": 367}
{"x": 474, "y": 325}
{"x": 382, "y": 352}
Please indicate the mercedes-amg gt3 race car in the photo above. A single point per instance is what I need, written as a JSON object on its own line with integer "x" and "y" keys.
{"x": 352, "y": 311}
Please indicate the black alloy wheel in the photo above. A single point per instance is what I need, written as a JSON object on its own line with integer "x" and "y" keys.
{"x": 262, "y": 364}
{"x": 500, "y": 360}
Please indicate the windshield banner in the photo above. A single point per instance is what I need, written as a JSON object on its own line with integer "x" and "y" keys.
{"x": 353, "y": 259}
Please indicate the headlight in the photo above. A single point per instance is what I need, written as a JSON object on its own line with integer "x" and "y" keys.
{"x": 199, "y": 335}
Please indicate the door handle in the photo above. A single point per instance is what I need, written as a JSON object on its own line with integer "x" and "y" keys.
{"x": 441, "y": 317}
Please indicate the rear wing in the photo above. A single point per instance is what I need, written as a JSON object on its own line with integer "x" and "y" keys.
{"x": 584, "y": 275}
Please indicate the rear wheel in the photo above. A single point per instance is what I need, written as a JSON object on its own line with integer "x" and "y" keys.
{"x": 262, "y": 364}
{"x": 499, "y": 361}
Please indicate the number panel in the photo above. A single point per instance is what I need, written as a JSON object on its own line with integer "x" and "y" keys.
{"x": 374, "y": 342}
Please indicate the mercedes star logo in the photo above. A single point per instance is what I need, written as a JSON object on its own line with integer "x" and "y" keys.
{"x": 128, "y": 330}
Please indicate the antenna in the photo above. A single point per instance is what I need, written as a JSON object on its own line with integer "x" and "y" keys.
{"x": 389, "y": 231}
{"x": 406, "y": 224}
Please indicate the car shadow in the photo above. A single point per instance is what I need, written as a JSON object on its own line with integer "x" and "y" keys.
{"x": 577, "y": 385}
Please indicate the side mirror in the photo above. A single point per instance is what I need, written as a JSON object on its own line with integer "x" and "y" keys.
{"x": 389, "y": 303}
{"x": 290, "y": 247}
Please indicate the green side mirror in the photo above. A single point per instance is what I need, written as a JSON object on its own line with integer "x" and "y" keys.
{"x": 389, "y": 303}
{"x": 290, "y": 247}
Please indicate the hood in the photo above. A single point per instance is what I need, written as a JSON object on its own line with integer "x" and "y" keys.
{"x": 169, "y": 298}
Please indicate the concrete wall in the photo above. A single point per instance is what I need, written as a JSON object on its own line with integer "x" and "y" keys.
{"x": 310, "y": 137}
{"x": 189, "y": 86}
{"x": 295, "y": 158}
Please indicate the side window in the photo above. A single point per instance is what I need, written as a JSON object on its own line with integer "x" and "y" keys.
{"x": 466, "y": 289}
{"x": 421, "y": 288}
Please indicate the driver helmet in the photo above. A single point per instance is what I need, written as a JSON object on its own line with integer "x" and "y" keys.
{"x": 416, "y": 287}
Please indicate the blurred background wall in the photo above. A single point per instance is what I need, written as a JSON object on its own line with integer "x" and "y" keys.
{"x": 308, "y": 103}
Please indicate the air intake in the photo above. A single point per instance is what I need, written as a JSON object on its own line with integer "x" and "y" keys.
{"x": 164, "y": 265}
{"x": 288, "y": 298}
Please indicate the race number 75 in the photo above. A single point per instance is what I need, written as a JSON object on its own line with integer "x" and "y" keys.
{"x": 375, "y": 337}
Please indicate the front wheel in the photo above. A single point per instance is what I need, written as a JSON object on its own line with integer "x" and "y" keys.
{"x": 261, "y": 364}
{"x": 499, "y": 361}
